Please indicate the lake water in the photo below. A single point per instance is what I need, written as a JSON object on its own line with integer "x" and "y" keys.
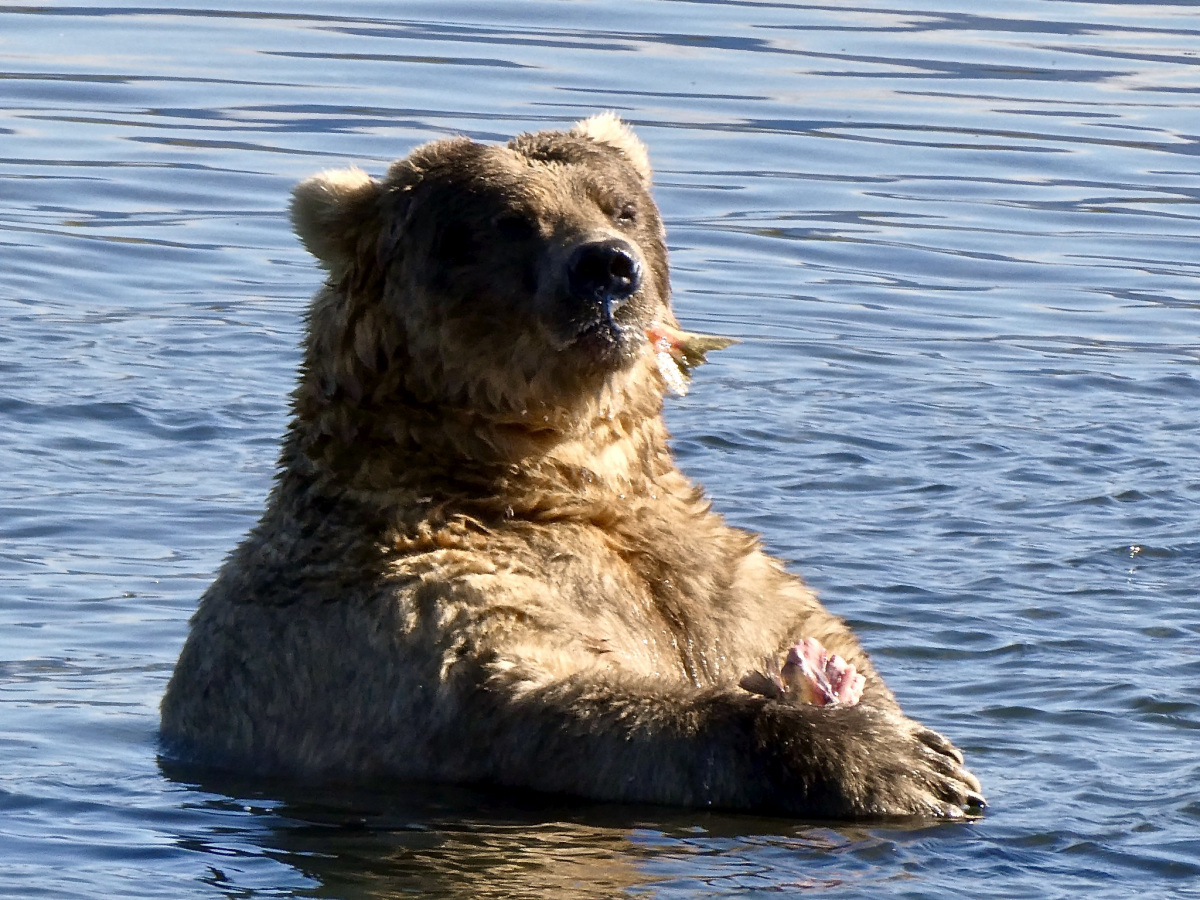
{"x": 962, "y": 250}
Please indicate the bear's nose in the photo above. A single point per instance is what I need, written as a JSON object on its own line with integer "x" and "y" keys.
{"x": 604, "y": 270}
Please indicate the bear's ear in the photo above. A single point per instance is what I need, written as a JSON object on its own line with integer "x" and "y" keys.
{"x": 609, "y": 130}
{"x": 333, "y": 212}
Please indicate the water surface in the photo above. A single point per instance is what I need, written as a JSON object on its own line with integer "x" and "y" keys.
{"x": 961, "y": 250}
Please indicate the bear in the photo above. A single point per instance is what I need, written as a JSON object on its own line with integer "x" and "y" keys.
{"x": 479, "y": 563}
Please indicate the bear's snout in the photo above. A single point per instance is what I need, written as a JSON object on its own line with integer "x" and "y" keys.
{"x": 607, "y": 271}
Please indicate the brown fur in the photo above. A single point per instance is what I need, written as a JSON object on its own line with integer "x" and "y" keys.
{"x": 479, "y": 562}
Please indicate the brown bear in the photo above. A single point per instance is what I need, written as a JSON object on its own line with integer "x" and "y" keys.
{"x": 479, "y": 562}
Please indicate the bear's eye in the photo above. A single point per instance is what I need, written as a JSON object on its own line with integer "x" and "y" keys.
{"x": 454, "y": 244}
{"x": 514, "y": 227}
{"x": 626, "y": 214}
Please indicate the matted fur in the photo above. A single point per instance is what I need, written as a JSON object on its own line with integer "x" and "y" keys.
{"x": 479, "y": 562}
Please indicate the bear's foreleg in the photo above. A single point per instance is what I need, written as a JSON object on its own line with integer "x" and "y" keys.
{"x": 635, "y": 740}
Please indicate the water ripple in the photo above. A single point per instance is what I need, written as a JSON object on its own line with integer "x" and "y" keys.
{"x": 960, "y": 247}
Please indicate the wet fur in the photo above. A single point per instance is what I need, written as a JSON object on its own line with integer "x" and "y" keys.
{"x": 479, "y": 562}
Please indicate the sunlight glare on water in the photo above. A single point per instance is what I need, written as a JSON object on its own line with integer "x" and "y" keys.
{"x": 959, "y": 243}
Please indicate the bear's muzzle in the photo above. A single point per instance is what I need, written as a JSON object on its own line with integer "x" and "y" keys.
{"x": 606, "y": 272}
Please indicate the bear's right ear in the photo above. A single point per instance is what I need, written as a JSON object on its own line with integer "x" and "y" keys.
{"x": 333, "y": 212}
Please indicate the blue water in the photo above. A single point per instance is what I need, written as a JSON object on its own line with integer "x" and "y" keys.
{"x": 962, "y": 250}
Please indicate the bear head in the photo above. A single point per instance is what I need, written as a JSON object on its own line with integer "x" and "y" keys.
{"x": 500, "y": 278}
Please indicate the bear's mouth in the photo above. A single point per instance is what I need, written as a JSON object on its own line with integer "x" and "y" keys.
{"x": 611, "y": 334}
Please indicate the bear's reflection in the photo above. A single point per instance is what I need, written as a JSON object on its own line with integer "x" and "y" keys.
{"x": 420, "y": 840}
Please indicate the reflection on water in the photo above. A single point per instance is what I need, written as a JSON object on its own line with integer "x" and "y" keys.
{"x": 437, "y": 841}
{"x": 961, "y": 249}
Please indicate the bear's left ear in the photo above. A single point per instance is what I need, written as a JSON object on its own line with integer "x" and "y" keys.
{"x": 333, "y": 212}
{"x": 607, "y": 129}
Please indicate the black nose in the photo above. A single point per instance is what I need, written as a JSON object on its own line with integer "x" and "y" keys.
{"x": 604, "y": 270}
